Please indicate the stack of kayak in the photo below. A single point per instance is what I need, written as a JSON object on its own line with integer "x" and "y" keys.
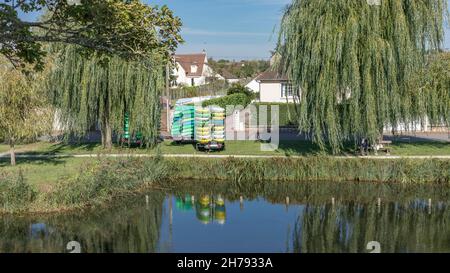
{"x": 183, "y": 123}
{"x": 218, "y": 124}
{"x": 177, "y": 123}
{"x": 188, "y": 122}
{"x": 203, "y": 125}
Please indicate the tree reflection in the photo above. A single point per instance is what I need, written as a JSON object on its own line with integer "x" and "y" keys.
{"x": 407, "y": 227}
{"x": 131, "y": 226}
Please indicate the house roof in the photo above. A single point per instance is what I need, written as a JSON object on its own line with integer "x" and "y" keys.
{"x": 187, "y": 60}
{"x": 227, "y": 75}
{"x": 271, "y": 76}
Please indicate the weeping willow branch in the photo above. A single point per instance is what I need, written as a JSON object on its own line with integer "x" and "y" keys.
{"x": 353, "y": 61}
{"x": 94, "y": 89}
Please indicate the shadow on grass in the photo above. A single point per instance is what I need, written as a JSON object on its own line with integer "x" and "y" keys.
{"x": 423, "y": 145}
{"x": 5, "y": 162}
{"x": 308, "y": 148}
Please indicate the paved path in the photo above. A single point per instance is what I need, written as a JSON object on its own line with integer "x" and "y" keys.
{"x": 24, "y": 156}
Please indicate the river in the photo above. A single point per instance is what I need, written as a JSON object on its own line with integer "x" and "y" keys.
{"x": 226, "y": 217}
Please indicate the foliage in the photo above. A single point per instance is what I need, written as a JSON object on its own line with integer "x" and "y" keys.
{"x": 213, "y": 88}
{"x": 24, "y": 113}
{"x": 433, "y": 85}
{"x": 127, "y": 28}
{"x": 190, "y": 91}
{"x": 101, "y": 90}
{"x": 15, "y": 193}
{"x": 353, "y": 73}
{"x": 237, "y": 88}
{"x": 233, "y": 100}
{"x": 242, "y": 69}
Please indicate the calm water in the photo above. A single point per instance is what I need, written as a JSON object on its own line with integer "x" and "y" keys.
{"x": 273, "y": 217}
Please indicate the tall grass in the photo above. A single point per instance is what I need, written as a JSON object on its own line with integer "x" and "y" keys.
{"x": 15, "y": 193}
{"x": 314, "y": 169}
{"x": 107, "y": 179}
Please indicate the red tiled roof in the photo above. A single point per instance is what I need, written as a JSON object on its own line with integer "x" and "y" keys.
{"x": 271, "y": 76}
{"x": 187, "y": 60}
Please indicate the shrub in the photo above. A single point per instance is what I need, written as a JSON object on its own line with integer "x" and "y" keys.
{"x": 235, "y": 99}
{"x": 15, "y": 193}
{"x": 190, "y": 91}
{"x": 240, "y": 89}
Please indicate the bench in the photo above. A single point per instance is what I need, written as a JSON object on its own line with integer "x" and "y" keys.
{"x": 385, "y": 146}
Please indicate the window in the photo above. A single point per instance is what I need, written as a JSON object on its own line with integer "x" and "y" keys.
{"x": 287, "y": 90}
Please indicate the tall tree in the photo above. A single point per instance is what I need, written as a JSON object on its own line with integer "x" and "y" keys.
{"x": 351, "y": 62}
{"x": 24, "y": 113}
{"x": 433, "y": 84}
{"x": 96, "y": 89}
{"x": 127, "y": 28}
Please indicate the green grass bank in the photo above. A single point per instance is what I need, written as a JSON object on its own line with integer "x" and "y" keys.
{"x": 99, "y": 181}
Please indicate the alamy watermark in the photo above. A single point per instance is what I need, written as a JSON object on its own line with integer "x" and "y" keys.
{"x": 252, "y": 123}
{"x": 73, "y": 247}
{"x": 374, "y": 246}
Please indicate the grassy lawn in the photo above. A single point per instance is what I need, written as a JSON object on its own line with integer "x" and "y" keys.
{"x": 422, "y": 148}
{"x": 301, "y": 148}
{"x": 42, "y": 172}
{"x": 48, "y": 171}
{"x": 168, "y": 147}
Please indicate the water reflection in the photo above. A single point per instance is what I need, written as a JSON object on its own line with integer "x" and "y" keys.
{"x": 224, "y": 217}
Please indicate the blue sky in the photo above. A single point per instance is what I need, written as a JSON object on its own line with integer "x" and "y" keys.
{"x": 231, "y": 29}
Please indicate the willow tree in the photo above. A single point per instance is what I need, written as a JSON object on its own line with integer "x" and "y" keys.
{"x": 24, "y": 113}
{"x": 91, "y": 89}
{"x": 351, "y": 62}
{"x": 433, "y": 84}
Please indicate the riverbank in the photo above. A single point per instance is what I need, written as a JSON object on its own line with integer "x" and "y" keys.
{"x": 96, "y": 182}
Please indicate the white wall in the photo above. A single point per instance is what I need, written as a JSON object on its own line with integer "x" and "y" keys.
{"x": 253, "y": 85}
{"x": 183, "y": 80}
{"x": 271, "y": 92}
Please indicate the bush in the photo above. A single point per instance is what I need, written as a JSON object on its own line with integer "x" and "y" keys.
{"x": 239, "y": 89}
{"x": 235, "y": 99}
{"x": 190, "y": 91}
{"x": 15, "y": 193}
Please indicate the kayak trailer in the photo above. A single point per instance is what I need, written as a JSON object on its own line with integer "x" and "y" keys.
{"x": 202, "y": 126}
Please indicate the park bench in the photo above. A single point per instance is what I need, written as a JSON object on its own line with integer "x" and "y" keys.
{"x": 385, "y": 146}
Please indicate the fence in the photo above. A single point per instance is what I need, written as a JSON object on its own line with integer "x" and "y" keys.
{"x": 212, "y": 89}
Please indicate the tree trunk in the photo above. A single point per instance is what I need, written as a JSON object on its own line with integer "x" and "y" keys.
{"x": 12, "y": 152}
{"x": 106, "y": 134}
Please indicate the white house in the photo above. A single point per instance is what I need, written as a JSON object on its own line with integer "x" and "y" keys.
{"x": 192, "y": 69}
{"x": 274, "y": 88}
{"x": 253, "y": 85}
